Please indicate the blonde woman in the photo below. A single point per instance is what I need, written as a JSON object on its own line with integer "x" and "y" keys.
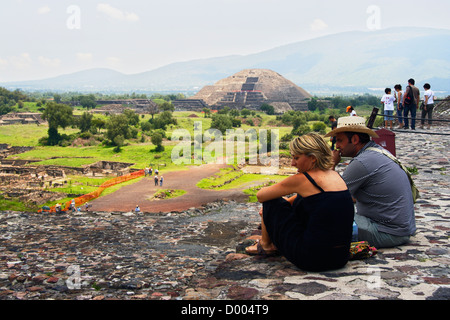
{"x": 313, "y": 228}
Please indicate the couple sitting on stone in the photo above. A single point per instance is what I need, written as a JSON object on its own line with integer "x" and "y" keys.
{"x": 313, "y": 228}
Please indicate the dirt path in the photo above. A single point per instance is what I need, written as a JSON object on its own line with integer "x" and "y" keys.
{"x": 128, "y": 197}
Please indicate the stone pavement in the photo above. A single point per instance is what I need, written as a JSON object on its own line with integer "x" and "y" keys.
{"x": 191, "y": 255}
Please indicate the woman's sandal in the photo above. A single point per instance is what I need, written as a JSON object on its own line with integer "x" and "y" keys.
{"x": 261, "y": 252}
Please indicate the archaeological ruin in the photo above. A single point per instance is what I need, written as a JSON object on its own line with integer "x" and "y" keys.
{"x": 33, "y": 184}
{"x": 21, "y": 118}
{"x": 249, "y": 89}
{"x": 140, "y": 106}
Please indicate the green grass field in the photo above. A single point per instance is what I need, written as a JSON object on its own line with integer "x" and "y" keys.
{"x": 138, "y": 154}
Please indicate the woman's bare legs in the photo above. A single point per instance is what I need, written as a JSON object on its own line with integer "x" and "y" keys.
{"x": 265, "y": 241}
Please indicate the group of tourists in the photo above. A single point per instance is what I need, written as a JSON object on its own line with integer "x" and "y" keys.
{"x": 149, "y": 171}
{"x": 408, "y": 102}
{"x": 314, "y": 228}
{"x": 158, "y": 180}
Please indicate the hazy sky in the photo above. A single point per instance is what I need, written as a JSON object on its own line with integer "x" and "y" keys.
{"x": 45, "y": 38}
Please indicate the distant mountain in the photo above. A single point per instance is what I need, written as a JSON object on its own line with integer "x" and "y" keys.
{"x": 347, "y": 62}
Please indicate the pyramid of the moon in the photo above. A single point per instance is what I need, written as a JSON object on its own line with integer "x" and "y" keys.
{"x": 251, "y": 88}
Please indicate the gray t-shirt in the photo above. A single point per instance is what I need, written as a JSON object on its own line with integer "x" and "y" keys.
{"x": 382, "y": 191}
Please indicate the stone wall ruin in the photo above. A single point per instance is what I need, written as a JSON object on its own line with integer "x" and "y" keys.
{"x": 34, "y": 183}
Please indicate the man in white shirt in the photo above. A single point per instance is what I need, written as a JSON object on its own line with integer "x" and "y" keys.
{"x": 428, "y": 105}
{"x": 388, "y": 101}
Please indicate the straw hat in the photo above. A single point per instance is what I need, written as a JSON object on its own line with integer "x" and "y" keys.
{"x": 352, "y": 124}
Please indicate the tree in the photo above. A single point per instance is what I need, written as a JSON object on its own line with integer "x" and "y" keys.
{"x": 234, "y": 113}
{"x": 319, "y": 127}
{"x": 163, "y": 120}
{"x": 167, "y": 106}
{"x": 153, "y": 109}
{"x": 57, "y": 98}
{"x": 298, "y": 120}
{"x": 207, "y": 111}
{"x": 133, "y": 118}
{"x": 268, "y": 109}
{"x": 157, "y": 141}
{"x": 88, "y": 102}
{"x": 85, "y": 122}
{"x": 225, "y": 110}
{"x": 245, "y": 112}
{"x": 221, "y": 122}
{"x": 57, "y": 115}
{"x": 98, "y": 123}
{"x": 8, "y": 100}
{"x": 117, "y": 125}
{"x": 301, "y": 130}
{"x": 321, "y": 106}
{"x": 312, "y": 104}
{"x": 118, "y": 142}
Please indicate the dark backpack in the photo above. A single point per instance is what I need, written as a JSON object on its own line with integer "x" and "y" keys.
{"x": 409, "y": 98}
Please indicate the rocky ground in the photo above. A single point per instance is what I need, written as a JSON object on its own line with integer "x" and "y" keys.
{"x": 192, "y": 255}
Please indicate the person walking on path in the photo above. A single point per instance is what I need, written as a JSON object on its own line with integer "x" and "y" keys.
{"x": 161, "y": 179}
{"x": 428, "y": 105}
{"x": 156, "y": 180}
{"x": 410, "y": 102}
{"x": 399, "y": 96}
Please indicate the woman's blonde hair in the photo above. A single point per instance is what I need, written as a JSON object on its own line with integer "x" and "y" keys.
{"x": 312, "y": 144}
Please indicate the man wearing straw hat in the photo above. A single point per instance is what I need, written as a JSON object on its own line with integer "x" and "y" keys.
{"x": 384, "y": 202}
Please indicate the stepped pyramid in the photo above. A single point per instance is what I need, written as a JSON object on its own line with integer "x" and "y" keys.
{"x": 251, "y": 88}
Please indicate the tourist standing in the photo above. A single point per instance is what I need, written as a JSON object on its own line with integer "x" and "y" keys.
{"x": 410, "y": 103}
{"x": 399, "y": 95}
{"x": 428, "y": 105}
{"x": 388, "y": 105}
{"x": 161, "y": 179}
{"x": 72, "y": 205}
{"x": 156, "y": 180}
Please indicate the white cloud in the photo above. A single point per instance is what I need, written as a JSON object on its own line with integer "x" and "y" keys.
{"x": 318, "y": 25}
{"x": 21, "y": 62}
{"x": 113, "y": 61}
{"x": 50, "y": 63}
{"x": 84, "y": 57}
{"x": 3, "y": 63}
{"x": 44, "y": 10}
{"x": 117, "y": 13}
